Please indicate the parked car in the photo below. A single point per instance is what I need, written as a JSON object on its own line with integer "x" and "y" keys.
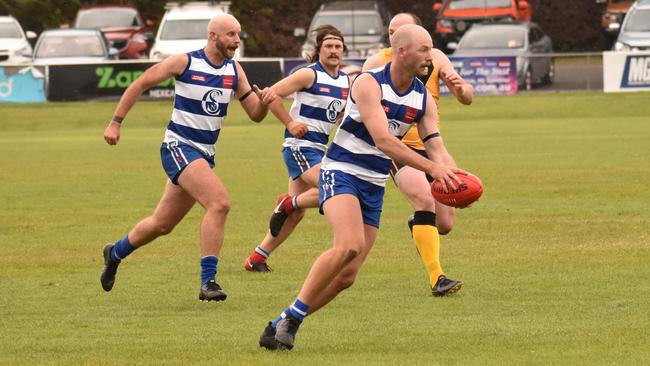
{"x": 635, "y": 30}
{"x": 14, "y": 42}
{"x": 72, "y": 46}
{"x": 613, "y": 14}
{"x": 122, "y": 25}
{"x": 526, "y": 41}
{"x": 455, "y": 17}
{"x": 184, "y": 28}
{"x": 364, "y": 24}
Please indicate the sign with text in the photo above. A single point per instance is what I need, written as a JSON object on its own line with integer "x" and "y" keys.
{"x": 488, "y": 75}
{"x": 109, "y": 80}
{"x": 626, "y": 71}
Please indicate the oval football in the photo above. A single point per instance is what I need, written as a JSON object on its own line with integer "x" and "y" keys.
{"x": 468, "y": 192}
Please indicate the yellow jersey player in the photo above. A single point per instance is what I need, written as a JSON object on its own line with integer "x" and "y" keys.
{"x": 430, "y": 218}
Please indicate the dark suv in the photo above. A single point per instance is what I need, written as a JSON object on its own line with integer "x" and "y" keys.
{"x": 364, "y": 24}
{"x": 123, "y": 26}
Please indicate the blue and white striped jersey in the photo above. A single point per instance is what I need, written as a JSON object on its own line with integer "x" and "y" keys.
{"x": 203, "y": 92}
{"x": 353, "y": 151}
{"x": 318, "y": 106}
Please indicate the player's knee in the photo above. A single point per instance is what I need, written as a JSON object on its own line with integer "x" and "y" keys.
{"x": 219, "y": 206}
{"x": 422, "y": 200}
{"x": 348, "y": 253}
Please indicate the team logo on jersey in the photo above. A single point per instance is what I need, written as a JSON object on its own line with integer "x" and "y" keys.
{"x": 344, "y": 93}
{"x": 393, "y": 127}
{"x": 210, "y": 103}
{"x": 333, "y": 110}
{"x": 324, "y": 89}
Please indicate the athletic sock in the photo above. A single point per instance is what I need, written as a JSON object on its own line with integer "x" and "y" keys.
{"x": 122, "y": 249}
{"x": 259, "y": 255}
{"x": 299, "y": 310}
{"x": 427, "y": 240}
{"x": 290, "y": 205}
{"x": 208, "y": 268}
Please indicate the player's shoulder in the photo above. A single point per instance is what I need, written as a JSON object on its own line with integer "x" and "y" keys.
{"x": 438, "y": 55}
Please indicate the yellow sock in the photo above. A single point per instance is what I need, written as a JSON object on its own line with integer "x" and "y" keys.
{"x": 427, "y": 241}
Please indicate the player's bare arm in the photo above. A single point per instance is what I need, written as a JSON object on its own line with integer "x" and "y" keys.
{"x": 170, "y": 67}
{"x": 367, "y": 94}
{"x": 299, "y": 80}
{"x": 462, "y": 90}
{"x": 372, "y": 62}
{"x": 256, "y": 106}
{"x": 433, "y": 142}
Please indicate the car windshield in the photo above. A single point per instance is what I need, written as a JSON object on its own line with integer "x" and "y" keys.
{"x": 475, "y": 4}
{"x": 639, "y": 21}
{"x": 185, "y": 29}
{"x": 107, "y": 18}
{"x": 77, "y": 46}
{"x": 358, "y": 25}
{"x": 9, "y": 30}
{"x": 483, "y": 38}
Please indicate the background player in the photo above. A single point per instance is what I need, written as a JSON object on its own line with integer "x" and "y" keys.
{"x": 321, "y": 91}
{"x": 430, "y": 216}
{"x": 206, "y": 81}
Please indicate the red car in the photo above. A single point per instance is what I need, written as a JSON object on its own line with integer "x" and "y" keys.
{"x": 123, "y": 26}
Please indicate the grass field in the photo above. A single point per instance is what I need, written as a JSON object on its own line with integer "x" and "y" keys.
{"x": 555, "y": 256}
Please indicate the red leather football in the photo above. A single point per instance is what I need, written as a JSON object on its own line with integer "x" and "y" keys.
{"x": 468, "y": 192}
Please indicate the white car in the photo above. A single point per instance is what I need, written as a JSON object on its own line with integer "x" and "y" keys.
{"x": 72, "y": 46}
{"x": 185, "y": 28}
{"x": 14, "y": 44}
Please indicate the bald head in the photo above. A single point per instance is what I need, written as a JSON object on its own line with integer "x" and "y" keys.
{"x": 400, "y": 20}
{"x": 222, "y": 21}
{"x": 410, "y": 34}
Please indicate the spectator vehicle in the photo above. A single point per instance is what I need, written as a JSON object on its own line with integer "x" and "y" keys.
{"x": 122, "y": 25}
{"x": 613, "y": 14}
{"x": 14, "y": 42}
{"x": 454, "y": 17}
{"x": 58, "y": 46}
{"x": 364, "y": 24}
{"x": 526, "y": 41}
{"x": 184, "y": 28}
{"x": 635, "y": 30}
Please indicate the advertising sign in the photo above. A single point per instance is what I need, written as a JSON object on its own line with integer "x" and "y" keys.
{"x": 22, "y": 84}
{"x": 109, "y": 80}
{"x": 626, "y": 71}
{"x": 488, "y": 75}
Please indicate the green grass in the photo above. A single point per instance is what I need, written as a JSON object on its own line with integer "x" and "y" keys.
{"x": 554, "y": 256}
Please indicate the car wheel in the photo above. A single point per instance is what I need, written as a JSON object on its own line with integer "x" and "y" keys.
{"x": 550, "y": 76}
{"x": 528, "y": 79}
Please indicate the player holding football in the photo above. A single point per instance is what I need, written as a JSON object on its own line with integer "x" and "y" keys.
{"x": 321, "y": 91}
{"x": 206, "y": 81}
{"x": 431, "y": 217}
{"x": 384, "y": 103}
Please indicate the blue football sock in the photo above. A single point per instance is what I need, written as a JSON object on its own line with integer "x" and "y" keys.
{"x": 122, "y": 249}
{"x": 208, "y": 268}
{"x": 299, "y": 310}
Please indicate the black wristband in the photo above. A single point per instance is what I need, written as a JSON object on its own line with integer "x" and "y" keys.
{"x": 246, "y": 95}
{"x": 118, "y": 119}
{"x": 433, "y": 135}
